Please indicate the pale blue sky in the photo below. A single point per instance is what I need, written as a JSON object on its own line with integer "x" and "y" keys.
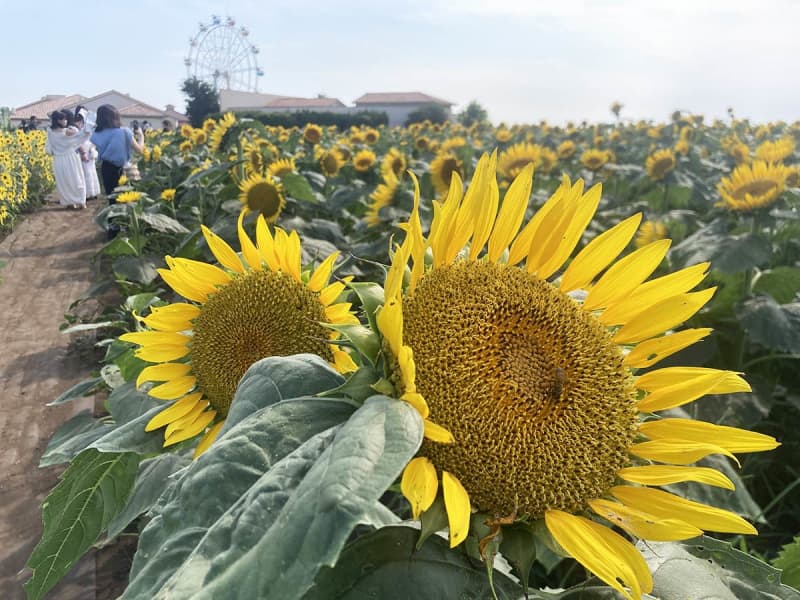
{"x": 524, "y": 60}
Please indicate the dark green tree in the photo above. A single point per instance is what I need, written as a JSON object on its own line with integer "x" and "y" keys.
{"x": 473, "y": 113}
{"x": 434, "y": 113}
{"x": 201, "y": 100}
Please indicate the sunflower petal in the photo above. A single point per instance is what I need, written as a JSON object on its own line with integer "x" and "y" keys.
{"x": 166, "y": 321}
{"x": 521, "y": 246}
{"x": 642, "y": 524}
{"x": 390, "y": 324}
{"x": 331, "y": 292}
{"x": 249, "y": 250}
{"x": 551, "y": 231}
{"x": 266, "y": 244}
{"x": 418, "y": 402}
{"x": 153, "y": 338}
{"x": 293, "y": 256}
{"x": 176, "y": 388}
{"x": 322, "y": 273}
{"x": 679, "y": 452}
{"x": 668, "y": 474}
{"x": 606, "y": 554}
{"x": 162, "y": 372}
{"x": 686, "y": 391}
{"x": 730, "y": 438}
{"x": 437, "y": 433}
{"x": 446, "y": 221}
{"x": 208, "y": 439}
{"x": 598, "y": 254}
{"x": 419, "y": 485}
{"x": 486, "y": 214}
{"x": 161, "y": 352}
{"x": 469, "y": 211}
{"x": 209, "y": 275}
{"x": 222, "y": 251}
{"x": 186, "y": 419}
{"x": 343, "y": 362}
{"x": 182, "y": 287}
{"x": 456, "y": 502}
{"x": 177, "y": 411}
{"x": 652, "y": 351}
{"x": 191, "y": 430}
{"x": 512, "y": 211}
{"x": 668, "y": 506}
{"x": 669, "y": 377}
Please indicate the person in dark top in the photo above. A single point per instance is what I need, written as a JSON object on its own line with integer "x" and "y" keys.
{"x": 33, "y": 123}
{"x": 114, "y": 144}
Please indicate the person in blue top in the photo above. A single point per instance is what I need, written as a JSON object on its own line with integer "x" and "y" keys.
{"x": 114, "y": 144}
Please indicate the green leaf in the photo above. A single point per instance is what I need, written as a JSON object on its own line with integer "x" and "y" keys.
{"x": 788, "y": 562}
{"x": 297, "y": 187}
{"x": 132, "y": 437}
{"x": 782, "y": 283}
{"x": 92, "y": 490}
{"x": 727, "y": 253}
{"x": 773, "y": 326}
{"x": 432, "y": 520}
{"x": 359, "y": 386}
{"x": 217, "y": 480}
{"x": 371, "y": 296}
{"x": 385, "y": 565}
{"x": 73, "y": 437}
{"x": 705, "y": 568}
{"x": 151, "y": 481}
{"x": 139, "y": 269}
{"x": 364, "y": 339}
{"x": 519, "y": 548}
{"x": 162, "y": 223}
{"x": 299, "y": 515}
{"x": 79, "y": 390}
{"x": 90, "y": 326}
{"x": 126, "y": 403}
{"x": 119, "y": 246}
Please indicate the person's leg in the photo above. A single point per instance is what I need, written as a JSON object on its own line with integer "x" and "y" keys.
{"x": 110, "y": 174}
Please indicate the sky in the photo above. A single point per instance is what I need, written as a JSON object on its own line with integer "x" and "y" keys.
{"x": 523, "y": 60}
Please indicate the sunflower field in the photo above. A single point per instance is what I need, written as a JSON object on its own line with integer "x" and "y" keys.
{"x": 444, "y": 362}
{"x": 26, "y": 174}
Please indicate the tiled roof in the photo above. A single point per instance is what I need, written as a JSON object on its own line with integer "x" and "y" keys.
{"x": 400, "y": 98}
{"x": 303, "y": 103}
{"x": 42, "y": 108}
{"x": 144, "y": 108}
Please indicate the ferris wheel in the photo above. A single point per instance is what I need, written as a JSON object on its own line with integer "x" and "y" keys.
{"x": 221, "y": 54}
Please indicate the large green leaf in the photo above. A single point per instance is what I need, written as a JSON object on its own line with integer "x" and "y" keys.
{"x": 782, "y": 283}
{"x": 79, "y": 390}
{"x": 298, "y": 515}
{"x": 788, "y": 562}
{"x": 298, "y": 187}
{"x": 162, "y": 223}
{"x": 73, "y": 437}
{"x": 708, "y": 569}
{"x": 728, "y": 253}
{"x": 772, "y": 325}
{"x": 219, "y": 478}
{"x": 385, "y": 565}
{"x": 139, "y": 269}
{"x": 92, "y": 491}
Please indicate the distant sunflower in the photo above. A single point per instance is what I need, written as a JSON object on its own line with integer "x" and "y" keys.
{"x": 566, "y": 149}
{"x": 312, "y": 134}
{"x": 421, "y": 143}
{"x": 363, "y": 160}
{"x": 217, "y": 136}
{"x": 371, "y": 136}
{"x": 752, "y": 186}
{"x": 330, "y": 163}
{"x": 209, "y": 125}
{"x": 253, "y": 159}
{"x": 682, "y": 147}
{"x": 199, "y": 137}
{"x": 549, "y": 159}
{"x": 594, "y": 159}
{"x": 453, "y": 143}
{"x": 281, "y": 167}
{"x": 776, "y": 151}
{"x": 442, "y": 169}
{"x": 649, "y": 232}
{"x": 660, "y": 163}
{"x": 529, "y": 396}
{"x": 393, "y": 162}
{"x": 246, "y": 310}
{"x": 263, "y": 195}
{"x": 515, "y": 158}
{"x": 503, "y": 135}
{"x": 128, "y": 197}
{"x": 168, "y": 195}
{"x": 740, "y": 152}
{"x": 381, "y": 197}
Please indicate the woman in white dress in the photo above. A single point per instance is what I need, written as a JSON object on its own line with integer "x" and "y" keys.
{"x": 88, "y": 154}
{"x": 62, "y": 145}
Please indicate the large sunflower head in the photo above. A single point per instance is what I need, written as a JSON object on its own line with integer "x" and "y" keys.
{"x": 660, "y": 163}
{"x": 263, "y": 195}
{"x": 363, "y": 160}
{"x": 249, "y": 308}
{"x": 526, "y": 374}
{"x": 281, "y": 167}
{"x": 443, "y": 167}
{"x": 752, "y": 186}
{"x": 217, "y": 137}
{"x": 515, "y": 158}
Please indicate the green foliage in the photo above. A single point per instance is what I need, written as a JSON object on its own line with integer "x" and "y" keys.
{"x": 91, "y": 492}
{"x": 435, "y": 113}
{"x": 202, "y": 100}
{"x": 473, "y": 113}
{"x": 789, "y": 563}
{"x": 342, "y": 121}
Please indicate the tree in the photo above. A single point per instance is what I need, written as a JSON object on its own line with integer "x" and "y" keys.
{"x": 202, "y": 100}
{"x": 434, "y": 113}
{"x": 473, "y": 113}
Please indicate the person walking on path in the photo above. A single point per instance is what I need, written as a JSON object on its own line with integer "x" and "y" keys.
{"x": 114, "y": 144}
{"x": 88, "y": 154}
{"x": 62, "y": 144}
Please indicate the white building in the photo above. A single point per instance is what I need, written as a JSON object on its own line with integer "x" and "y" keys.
{"x": 398, "y": 105}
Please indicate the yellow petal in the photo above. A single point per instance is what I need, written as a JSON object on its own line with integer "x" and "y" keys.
{"x": 468, "y": 212}
{"x": 730, "y": 438}
{"x": 652, "y": 351}
{"x": 417, "y": 241}
{"x": 437, "y": 433}
{"x": 176, "y": 388}
{"x": 599, "y": 253}
{"x": 161, "y": 352}
{"x": 322, "y": 273}
{"x": 153, "y": 338}
{"x": 163, "y": 372}
{"x": 643, "y": 525}
{"x": 390, "y": 324}
{"x": 662, "y": 316}
{"x": 652, "y": 292}
{"x": 405, "y": 360}
{"x": 266, "y": 244}
{"x": 686, "y": 391}
{"x": 208, "y": 439}
{"x": 222, "y": 251}
{"x": 447, "y": 214}
{"x": 418, "y": 402}
{"x": 668, "y": 506}
{"x": 181, "y": 287}
{"x": 331, "y": 292}
{"x": 343, "y": 362}
{"x": 668, "y": 377}
{"x": 186, "y": 419}
{"x": 606, "y": 554}
{"x": 521, "y": 246}
{"x": 456, "y": 502}
{"x": 626, "y": 275}
{"x": 667, "y": 474}
{"x": 170, "y": 320}
{"x": 291, "y": 264}
{"x": 679, "y": 452}
{"x": 419, "y": 485}
{"x": 249, "y": 250}
{"x": 193, "y": 279}
{"x": 338, "y": 313}
{"x": 511, "y": 213}
{"x": 486, "y": 213}
{"x": 394, "y": 277}
{"x": 553, "y": 227}
{"x": 210, "y": 275}
{"x": 177, "y": 411}
{"x": 191, "y": 430}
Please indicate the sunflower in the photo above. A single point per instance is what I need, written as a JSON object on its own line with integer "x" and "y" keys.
{"x": 263, "y": 195}
{"x": 217, "y": 136}
{"x": 281, "y": 167}
{"x": 394, "y": 163}
{"x": 363, "y": 160}
{"x": 752, "y": 186}
{"x": 371, "y": 136}
{"x": 253, "y": 159}
{"x": 776, "y": 151}
{"x": 312, "y": 133}
{"x": 186, "y": 130}
{"x": 382, "y": 196}
{"x": 530, "y": 397}
{"x": 549, "y": 159}
{"x": 453, "y": 143}
{"x": 421, "y": 143}
{"x": 199, "y": 137}
{"x": 660, "y": 163}
{"x": 649, "y": 232}
{"x": 128, "y": 197}
{"x": 594, "y": 159}
{"x": 168, "y": 195}
{"x": 682, "y": 147}
{"x": 503, "y": 135}
{"x": 515, "y": 158}
{"x": 251, "y": 308}
{"x": 442, "y": 169}
{"x": 566, "y": 149}
{"x": 740, "y": 152}
{"x": 330, "y": 163}
{"x": 209, "y": 125}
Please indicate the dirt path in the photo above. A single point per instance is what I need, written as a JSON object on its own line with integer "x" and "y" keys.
{"x": 48, "y": 266}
